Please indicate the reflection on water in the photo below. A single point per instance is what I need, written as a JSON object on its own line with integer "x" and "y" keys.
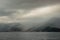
{"x": 29, "y": 36}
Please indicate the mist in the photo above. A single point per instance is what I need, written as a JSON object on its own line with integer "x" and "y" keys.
{"x": 30, "y": 13}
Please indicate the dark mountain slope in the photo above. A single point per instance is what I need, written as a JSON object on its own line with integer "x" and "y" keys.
{"x": 46, "y": 29}
{"x": 52, "y": 26}
{"x": 10, "y": 27}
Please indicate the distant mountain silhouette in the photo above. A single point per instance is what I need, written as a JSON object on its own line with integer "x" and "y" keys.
{"x": 51, "y": 29}
{"x": 52, "y": 26}
{"x": 13, "y": 29}
{"x": 46, "y": 29}
{"x": 10, "y": 27}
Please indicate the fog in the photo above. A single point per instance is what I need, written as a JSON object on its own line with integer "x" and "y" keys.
{"x": 30, "y": 13}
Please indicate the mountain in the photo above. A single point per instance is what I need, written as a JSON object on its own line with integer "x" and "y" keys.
{"x": 16, "y": 27}
{"x": 44, "y": 29}
{"x": 10, "y": 27}
{"x": 52, "y": 26}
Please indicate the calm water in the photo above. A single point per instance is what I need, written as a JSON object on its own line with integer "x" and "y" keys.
{"x": 29, "y": 36}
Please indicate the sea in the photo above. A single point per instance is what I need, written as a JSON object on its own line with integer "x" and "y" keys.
{"x": 29, "y": 35}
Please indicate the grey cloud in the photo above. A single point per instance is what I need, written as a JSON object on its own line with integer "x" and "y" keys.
{"x": 27, "y": 4}
{"x": 22, "y": 4}
{"x": 31, "y": 3}
{"x": 8, "y": 7}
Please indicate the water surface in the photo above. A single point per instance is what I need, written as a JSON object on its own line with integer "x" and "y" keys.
{"x": 29, "y": 35}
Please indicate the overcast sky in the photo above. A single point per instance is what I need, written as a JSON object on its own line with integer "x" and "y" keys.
{"x": 29, "y": 11}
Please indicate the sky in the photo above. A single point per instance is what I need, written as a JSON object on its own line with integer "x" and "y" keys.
{"x": 29, "y": 12}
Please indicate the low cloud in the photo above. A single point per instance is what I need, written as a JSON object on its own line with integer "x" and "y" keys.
{"x": 29, "y": 12}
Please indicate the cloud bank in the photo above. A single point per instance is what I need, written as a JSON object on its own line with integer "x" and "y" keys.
{"x": 29, "y": 12}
